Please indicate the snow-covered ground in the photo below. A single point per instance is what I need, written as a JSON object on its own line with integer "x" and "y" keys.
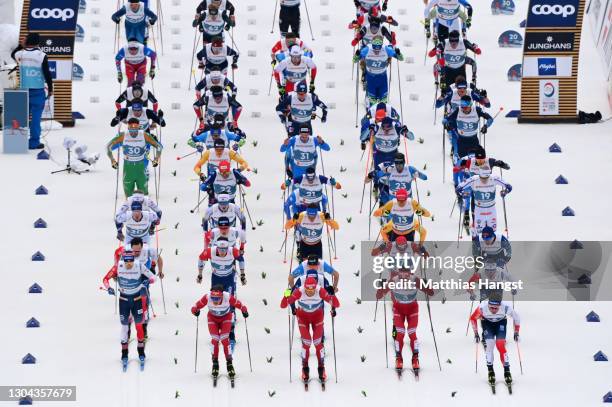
{"x": 78, "y": 342}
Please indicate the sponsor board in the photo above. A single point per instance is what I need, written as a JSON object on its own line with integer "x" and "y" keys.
{"x": 56, "y": 15}
{"x": 61, "y": 70}
{"x": 502, "y": 7}
{"x": 534, "y": 66}
{"x": 515, "y": 73}
{"x": 510, "y": 39}
{"x": 549, "y": 97}
{"x": 552, "y": 13}
{"x": 543, "y": 42}
{"x": 77, "y": 72}
{"x": 56, "y": 45}
{"x": 80, "y": 34}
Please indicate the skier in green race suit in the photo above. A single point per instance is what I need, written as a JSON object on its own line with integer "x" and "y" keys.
{"x": 135, "y": 145}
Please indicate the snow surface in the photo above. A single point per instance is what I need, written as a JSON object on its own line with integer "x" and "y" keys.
{"x": 78, "y": 342}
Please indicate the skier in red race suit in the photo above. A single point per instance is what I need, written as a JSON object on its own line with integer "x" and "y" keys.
{"x": 220, "y": 311}
{"x": 309, "y": 298}
{"x": 405, "y": 311}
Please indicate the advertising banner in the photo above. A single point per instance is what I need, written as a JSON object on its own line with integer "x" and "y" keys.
{"x": 56, "y": 15}
{"x": 552, "y": 13}
{"x": 547, "y": 66}
{"x": 549, "y": 97}
{"x": 549, "y": 42}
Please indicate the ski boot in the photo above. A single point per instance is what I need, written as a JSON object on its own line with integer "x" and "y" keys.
{"x": 393, "y": 332}
{"x": 507, "y": 375}
{"x": 305, "y": 376}
{"x": 399, "y": 363}
{"x": 215, "y": 370}
{"x": 322, "y": 376}
{"x": 466, "y": 220}
{"x": 415, "y": 361}
{"x": 230, "y": 369}
{"x": 124, "y": 357}
{"x": 491, "y": 375}
{"x": 141, "y": 354}
{"x": 305, "y": 373}
{"x": 144, "y": 329}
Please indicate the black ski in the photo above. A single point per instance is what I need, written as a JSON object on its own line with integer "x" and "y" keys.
{"x": 399, "y": 373}
{"x": 416, "y": 374}
{"x": 492, "y": 385}
{"x": 322, "y": 384}
{"x": 305, "y": 384}
{"x": 215, "y": 380}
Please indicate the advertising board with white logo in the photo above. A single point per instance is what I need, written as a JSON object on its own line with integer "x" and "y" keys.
{"x": 549, "y": 97}
{"x": 56, "y": 15}
{"x": 536, "y": 66}
{"x": 552, "y": 13}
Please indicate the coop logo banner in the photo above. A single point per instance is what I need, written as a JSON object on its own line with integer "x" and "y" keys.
{"x": 547, "y": 67}
{"x": 58, "y": 15}
{"x": 552, "y": 13}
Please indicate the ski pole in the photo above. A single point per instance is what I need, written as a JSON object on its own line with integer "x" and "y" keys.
{"x": 518, "y": 350}
{"x": 234, "y": 45}
{"x": 469, "y": 315}
{"x": 357, "y": 80}
{"x": 242, "y": 194}
{"x": 116, "y": 297}
{"x": 477, "y": 346}
{"x": 399, "y": 87}
{"x": 433, "y": 333}
{"x": 186, "y": 155}
{"x": 289, "y": 338}
{"x": 246, "y": 328}
{"x": 370, "y": 213}
{"x": 274, "y": 18}
{"x": 334, "y": 343}
{"x": 271, "y": 77}
{"x": 504, "y": 204}
{"x": 195, "y": 369}
{"x": 191, "y": 70}
{"x": 161, "y": 280}
{"x": 308, "y": 17}
{"x": 366, "y": 174}
{"x": 386, "y": 340}
{"x": 198, "y": 205}
{"x": 444, "y": 155}
{"x": 117, "y": 179}
{"x": 334, "y": 216}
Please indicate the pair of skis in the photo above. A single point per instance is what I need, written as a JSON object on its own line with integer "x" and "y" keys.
{"x": 507, "y": 383}
{"x": 231, "y": 379}
{"x": 307, "y": 381}
{"x": 124, "y": 363}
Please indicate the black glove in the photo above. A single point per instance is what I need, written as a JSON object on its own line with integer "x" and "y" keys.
{"x": 476, "y": 337}
{"x": 483, "y": 93}
{"x": 330, "y": 290}
{"x": 333, "y": 312}
{"x": 516, "y": 336}
{"x": 503, "y": 165}
{"x": 116, "y": 20}
{"x": 243, "y": 280}
{"x": 162, "y": 122}
{"x": 234, "y": 66}
{"x": 115, "y": 121}
{"x": 327, "y": 216}
{"x": 120, "y": 235}
{"x": 152, "y": 229}
{"x": 483, "y": 129}
{"x": 296, "y": 216}
{"x": 384, "y": 6}
{"x": 160, "y": 113}
{"x": 363, "y": 146}
{"x": 245, "y": 314}
{"x": 199, "y": 278}
{"x": 324, "y": 117}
